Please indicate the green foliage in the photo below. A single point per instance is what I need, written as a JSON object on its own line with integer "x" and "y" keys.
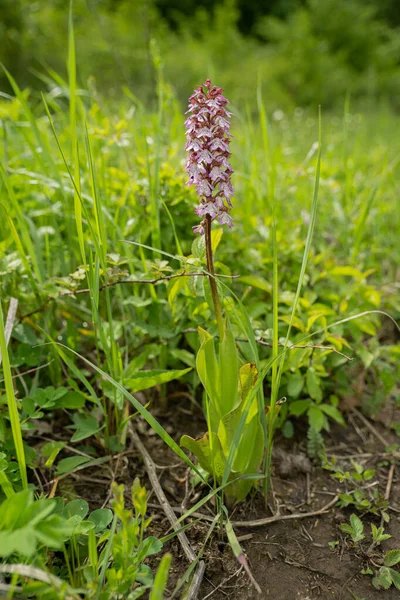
{"x": 229, "y": 400}
{"x": 306, "y": 52}
{"x": 386, "y": 576}
{"x": 355, "y": 529}
{"x": 34, "y": 529}
{"x": 378, "y": 535}
{"x": 26, "y": 524}
{"x": 83, "y": 174}
{"x": 363, "y": 498}
{"x": 129, "y": 547}
{"x": 315, "y": 444}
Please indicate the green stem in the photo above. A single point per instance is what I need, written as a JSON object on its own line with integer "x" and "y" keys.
{"x": 12, "y": 404}
{"x": 211, "y": 277}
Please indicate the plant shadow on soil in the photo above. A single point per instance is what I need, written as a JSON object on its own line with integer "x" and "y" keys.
{"x": 290, "y": 559}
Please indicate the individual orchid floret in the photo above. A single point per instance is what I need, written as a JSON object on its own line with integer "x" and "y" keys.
{"x": 208, "y": 138}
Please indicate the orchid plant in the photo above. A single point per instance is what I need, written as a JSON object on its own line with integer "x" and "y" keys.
{"x": 228, "y": 385}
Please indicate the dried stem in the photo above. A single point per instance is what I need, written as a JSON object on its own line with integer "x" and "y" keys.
{"x": 186, "y": 547}
{"x": 261, "y": 522}
{"x": 119, "y": 282}
{"x": 12, "y": 311}
{"x": 211, "y": 277}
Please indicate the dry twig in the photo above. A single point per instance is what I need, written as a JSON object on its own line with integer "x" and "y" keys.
{"x": 29, "y": 371}
{"x": 186, "y": 547}
{"x": 259, "y": 522}
{"x": 313, "y": 346}
{"x": 196, "y": 582}
{"x": 223, "y": 582}
{"x": 369, "y": 426}
{"x": 268, "y": 520}
{"x": 120, "y": 282}
{"x": 389, "y": 481}
{"x": 12, "y": 311}
{"x": 39, "y": 575}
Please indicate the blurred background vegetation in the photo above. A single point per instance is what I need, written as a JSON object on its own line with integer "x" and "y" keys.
{"x": 302, "y": 52}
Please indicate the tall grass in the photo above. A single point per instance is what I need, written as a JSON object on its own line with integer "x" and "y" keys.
{"x": 83, "y": 176}
{"x": 13, "y": 412}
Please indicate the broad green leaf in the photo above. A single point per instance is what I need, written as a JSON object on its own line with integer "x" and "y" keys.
{"x": 151, "y": 545}
{"x": 395, "y": 575}
{"x": 5, "y": 483}
{"x": 299, "y": 407}
{"x": 83, "y": 527}
{"x": 392, "y": 558}
{"x": 311, "y": 320}
{"x": 256, "y": 282}
{"x": 346, "y": 271}
{"x": 346, "y": 528}
{"x": 70, "y": 400}
{"x": 252, "y": 444}
{"x": 67, "y": 465}
{"x": 313, "y": 385}
{"x": 229, "y": 372}
{"x": 216, "y": 236}
{"x": 248, "y": 374}
{"x": 85, "y": 425}
{"x": 358, "y": 528}
{"x": 294, "y": 321}
{"x": 199, "y": 246}
{"x": 211, "y": 461}
{"x": 184, "y": 356}
{"x": 148, "y": 379}
{"x": 12, "y": 508}
{"x": 145, "y": 577}
{"x": 316, "y": 418}
{"x": 174, "y": 289}
{"x": 366, "y": 327}
{"x": 207, "y": 368}
{"x": 295, "y": 385}
{"x": 54, "y": 531}
{"x": 36, "y": 512}
{"x": 383, "y": 578}
{"x": 77, "y": 507}
{"x": 21, "y": 541}
{"x": 101, "y": 517}
{"x": 332, "y": 412}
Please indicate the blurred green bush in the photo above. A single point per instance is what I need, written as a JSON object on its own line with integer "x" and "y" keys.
{"x": 303, "y": 52}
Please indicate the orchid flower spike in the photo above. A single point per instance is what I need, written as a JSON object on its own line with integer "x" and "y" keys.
{"x": 208, "y": 167}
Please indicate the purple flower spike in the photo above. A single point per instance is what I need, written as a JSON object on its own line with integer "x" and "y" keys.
{"x": 208, "y": 138}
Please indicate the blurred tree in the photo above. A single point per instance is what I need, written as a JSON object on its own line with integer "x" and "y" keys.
{"x": 11, "y": 31}
{"x": 249, "y": 10}
{"x": 388, "y": 9}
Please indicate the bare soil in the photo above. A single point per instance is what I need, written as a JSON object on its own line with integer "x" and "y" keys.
{"x": 290, "y": 559}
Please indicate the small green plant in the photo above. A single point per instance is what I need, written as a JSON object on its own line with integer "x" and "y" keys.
{"x": 127, "y": 575}
{"x": 104, "y": 552}
{"x": 386, "y": 576}
{"x": 228, "y": 400}
{"x": 379, "y": 535}
{"x": 362, "y": 497}
{"x": 355, "y": 529}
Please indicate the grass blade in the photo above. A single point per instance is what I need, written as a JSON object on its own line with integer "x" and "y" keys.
{"x": 12, "y": 405}
{"x": 73, "y": 127}
{"x": 160, "y": 580}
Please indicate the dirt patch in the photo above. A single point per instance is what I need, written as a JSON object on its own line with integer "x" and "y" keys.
{"x": 298, "y": 559}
